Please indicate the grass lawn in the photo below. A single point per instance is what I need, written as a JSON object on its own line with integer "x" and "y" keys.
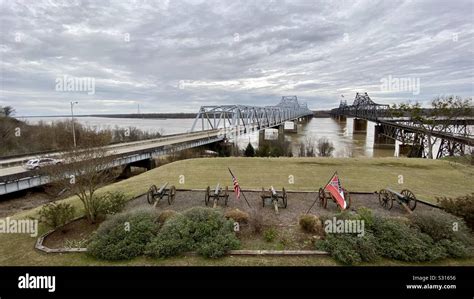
{"x": 426, "y": 178}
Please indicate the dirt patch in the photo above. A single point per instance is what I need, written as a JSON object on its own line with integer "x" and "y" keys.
{"x": 74, "y": 232}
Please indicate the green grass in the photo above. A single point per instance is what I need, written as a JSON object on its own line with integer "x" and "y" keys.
{"x": 426, "y": 178}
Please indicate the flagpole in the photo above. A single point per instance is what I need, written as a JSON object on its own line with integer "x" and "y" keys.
{"x": 241, "y": 191}
{"x": 323, "y": 191}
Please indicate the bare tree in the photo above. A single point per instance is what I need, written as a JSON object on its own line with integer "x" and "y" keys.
{"x": 438, "y": 118}
{"x": 325, "y": 148}
{"x": 83, "y": 171}
{"x": 307, "y": 148}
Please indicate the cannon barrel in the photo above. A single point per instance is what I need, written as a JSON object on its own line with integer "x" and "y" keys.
{"x": 163, "y": 188}
{"x": 218, "y": 188}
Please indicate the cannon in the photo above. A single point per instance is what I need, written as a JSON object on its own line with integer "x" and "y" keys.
{"x": 324, "y": 196}
{"x": 155, "y": 195}
{"x": 215, "y": 195}
{"x": 405, "y": 198}
{"x": 278, "y": 200}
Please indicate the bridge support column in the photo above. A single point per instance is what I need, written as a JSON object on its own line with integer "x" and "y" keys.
{"x": 270, "y": 135}
{"x": 341, "y": 118}
{"x": 289, "y": 127}
{"x": 126, "y": 172}
{"x": 360, "y": 126}
{"x": 380, "y": 140}
{"x": 410, "y": 150}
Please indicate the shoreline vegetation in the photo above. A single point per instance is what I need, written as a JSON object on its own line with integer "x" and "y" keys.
{"x": 19, "y": 137}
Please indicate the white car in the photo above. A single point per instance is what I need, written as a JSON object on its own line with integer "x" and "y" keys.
{"x": 41, "y": 162}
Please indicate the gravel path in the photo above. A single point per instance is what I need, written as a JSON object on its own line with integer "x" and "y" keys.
{"x": 298, "y": 203}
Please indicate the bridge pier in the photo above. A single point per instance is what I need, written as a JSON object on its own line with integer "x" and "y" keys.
{"x": 289, "y": 127}
{"x": 380, "y": 140}
{"x": 341, "y": 118}
{"x": 271, "y": 135}
{"x": 410, "y": 150}
{"x": 360, "y": 126}
{"x": 147, "y": 164}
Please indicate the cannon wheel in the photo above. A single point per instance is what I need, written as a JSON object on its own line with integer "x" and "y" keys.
{"x": 285, "y": 198}
{"x": 322, "y": 198}
{"x": 171, "y": 194}
{"x": 226, "y": 195}
{"x": 150, "y": 196}
{"x": 385, "y": 199}
{"x": 410, "y": 197}
{"x": 347, "y": 196}
{"x": 207, "y": 195}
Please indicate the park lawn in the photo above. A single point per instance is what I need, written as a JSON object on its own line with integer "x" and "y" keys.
{"x": 426, "y": 178}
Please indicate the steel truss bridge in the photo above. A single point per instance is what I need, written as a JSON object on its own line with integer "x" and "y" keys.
{"x": 244, "y": 119}
{"x": 453, "y": 134}
{"x": 234, "y": 118}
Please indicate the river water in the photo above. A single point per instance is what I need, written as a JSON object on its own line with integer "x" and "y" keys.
{"x": 346, "y": 143}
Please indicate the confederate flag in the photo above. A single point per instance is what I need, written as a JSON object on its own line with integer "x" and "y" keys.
{"x": 335, "y": 188}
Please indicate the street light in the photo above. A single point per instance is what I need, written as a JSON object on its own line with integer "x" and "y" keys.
{"x": 72, "y": 116}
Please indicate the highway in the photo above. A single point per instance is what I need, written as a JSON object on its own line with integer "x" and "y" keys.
{"x": 15, "y": 165}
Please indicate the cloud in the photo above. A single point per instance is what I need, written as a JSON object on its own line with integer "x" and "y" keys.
{"x": 227, "y": 52}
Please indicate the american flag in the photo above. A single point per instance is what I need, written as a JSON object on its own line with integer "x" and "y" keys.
{"x": 236, "y": 185}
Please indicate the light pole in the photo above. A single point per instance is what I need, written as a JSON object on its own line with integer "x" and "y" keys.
{"x": 72, "y": 116}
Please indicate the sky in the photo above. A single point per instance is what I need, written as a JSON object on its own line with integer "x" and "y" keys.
{"x": 174, "y": 56}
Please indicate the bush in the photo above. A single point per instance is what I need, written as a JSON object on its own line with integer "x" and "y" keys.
{"x": 165, "y": 215}
{"x": 123, "y": 236}
{"x": 397, "y": 240}
{"x": 311, "y": 224}
{"x": 462, "y": 206}
{"x": 440, "y": 225}
{"x": 350, "y": 249}
{"x": 174, "y": 238}
{"x": 56, "y": 214}
{"x": 256, "y": 221}
{"x": 454, "y": 249}
{"x": 366, "y": 215}
{"x": 270, "y": 234}
{"x": 109, "y": 203}
{"x": 202, "y": 229}
{"x": 237, "y": 215}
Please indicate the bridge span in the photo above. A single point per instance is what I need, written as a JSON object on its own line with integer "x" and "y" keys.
{"x": 218, "y": 123}
{"x": 452, "y": 135}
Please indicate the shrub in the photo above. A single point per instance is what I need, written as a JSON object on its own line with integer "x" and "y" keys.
{"x": 454, "y": 249}
{"x": 174, "y": 238}
{"x": 109, "y": 203}
{"x": 311, "y": 224}
{"x": 350, "y": 249}
{"x": 123, "y": 236}
{"x": 366, "y": 215}
{"x": 270, "y": 234}
{"x": 256, "y": 221}
{"x": 440, "y": 225}
{"x": 165, "y": 215}
{"x": 237, "y": 215}
{"x": 56, "y": 214}
{"x": 397, "y": 240}
{"x": 462, "y": 206}
{"x": 202, "y": 229}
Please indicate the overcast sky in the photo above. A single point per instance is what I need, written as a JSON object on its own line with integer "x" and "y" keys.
{"x": 174, "y": 56}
